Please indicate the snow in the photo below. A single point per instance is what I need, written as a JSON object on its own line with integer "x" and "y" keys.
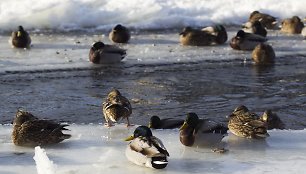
{"x": 96, "y": 149}
{"x": 156, "y": 14}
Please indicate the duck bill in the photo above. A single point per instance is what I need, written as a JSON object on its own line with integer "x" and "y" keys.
{"x": 18, "y": 34}
{"x": 129, "y": 138}
{"x": 184, "y": 126}
{"x": 150, "y": 125}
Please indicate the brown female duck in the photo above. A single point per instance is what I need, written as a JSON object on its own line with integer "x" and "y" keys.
{"x": 292, "y": 25}
{"x": 120, "y": 34}
{"x": 243, "y": 123}
{"x": 263, "y": 54}
{"x": 116, "y": 107}
{"x": 31, "y": 131}
{"x": 195, "y": 37}
{"x": 266, "y": 20}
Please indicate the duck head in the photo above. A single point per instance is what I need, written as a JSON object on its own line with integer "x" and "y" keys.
{"x": 155, "y": 122}
{"x": 118, "y": 27}
{"x": 221, "y": 34}
{"x": 20, "y": 31}
{"x": 97, "y": 45}
{"x": 191, "y": 121}
{"x": 185, "y": 31}
{"x": 114, "y": 96}
{"x": 140, "y": 131}
{"x": 238, "y": 110}
{"x": 22, "y": 116}
{"x": 296, "y": 19}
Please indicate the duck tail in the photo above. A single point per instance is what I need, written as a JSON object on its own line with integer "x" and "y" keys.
{"x": 159, "y": 162}
{"x": 65, "y": 136}
{"x": 62, "y": 127}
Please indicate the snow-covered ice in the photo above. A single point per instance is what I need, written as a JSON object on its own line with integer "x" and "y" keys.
{"x": 97, "y": 149}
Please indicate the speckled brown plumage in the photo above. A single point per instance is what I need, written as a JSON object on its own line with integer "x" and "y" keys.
{"x": 116, "y": 107}
{"x": 245, "y": 124}
{"x": 292, "y": 25}
{"x": 266, "y": 20}
{"x": 31, "y": 131}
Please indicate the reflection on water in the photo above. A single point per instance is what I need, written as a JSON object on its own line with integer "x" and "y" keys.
{"x": 211, "y": 89}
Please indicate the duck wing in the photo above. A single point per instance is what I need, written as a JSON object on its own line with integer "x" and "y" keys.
{"x": 43, "y": 131}
{"x": 114, "y": 50}
{"x": 255, "y": 37}
{"x": 210, "y": 126}
{"x": 149, "y": 146}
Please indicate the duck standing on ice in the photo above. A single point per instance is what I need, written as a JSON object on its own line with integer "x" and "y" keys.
{"x": 116, "y": 107}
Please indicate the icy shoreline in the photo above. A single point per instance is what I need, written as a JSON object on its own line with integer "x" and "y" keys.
{"x": 94, "y": 148}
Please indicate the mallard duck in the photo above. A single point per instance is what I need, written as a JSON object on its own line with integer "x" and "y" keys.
{"x": 266, "y": 20}
{"x": 292, "y": 25}
{"x": 21, "y": 38}
{"x": 101, "y": 53}
{"x": 219, "y": 31}
{"x": 166, "y": 123}
{"x": 119, "y": 34}
{"x": 255, "y": 28}
{"x": 30, "y": 131}
{"x": 194, "y": 37}
{"x": 263, "y": 54}
{"x": 195, "y": 129}
{"x": 246, "y": 41}
{"x": 243, "y": 123}
{"x": 146, "y": 149}
{"x": 272, "y": 120}
{"x": 116, "y": 107}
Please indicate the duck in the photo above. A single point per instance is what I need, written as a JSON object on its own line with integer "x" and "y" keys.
{"x": 266, "y": 20}
{"x": 29, "y": 131}
{"x": 246, "y": 41}
{"x": 219, "y": 31}
{"x": 245, "y": 124}
{"x": 263, "y": 54}
{"x": 101, "y": 53}
{"x": 196, "y": 37}
{"x": 120, "y": 34}
{"x": 146, "y": 150}
{"x": 272, "y": 120}
{"x": 116, "y": 107}
{"x": 166, "y": 123}
{"x": 292, "y": 25}
{"x": 204, "y": 132}
{"x": 255, "y": 28}
{"x": 20, "y": 38}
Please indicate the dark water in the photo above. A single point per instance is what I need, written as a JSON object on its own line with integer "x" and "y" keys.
{"x": 210, "y": 88}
